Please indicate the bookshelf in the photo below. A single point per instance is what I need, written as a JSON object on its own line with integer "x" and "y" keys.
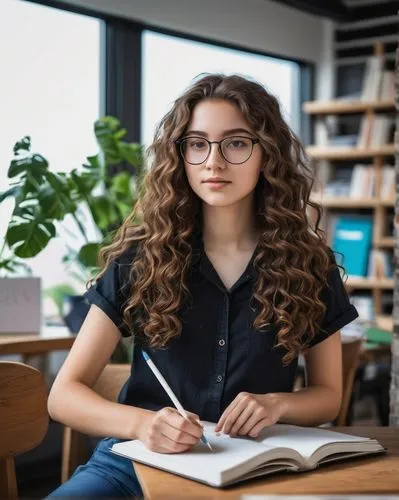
{"x": 343, "y": 107}
{"x": 378, "y": 207}
{"x": 349, "y": 153}
{"x": 370, "y": 283}
{"x": 355, "y": 203}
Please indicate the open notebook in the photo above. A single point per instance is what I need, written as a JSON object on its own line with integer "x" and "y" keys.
{"x": 279, "y": 448}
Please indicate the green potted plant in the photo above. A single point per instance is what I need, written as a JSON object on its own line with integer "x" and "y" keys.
{"x": 104, "y": 189}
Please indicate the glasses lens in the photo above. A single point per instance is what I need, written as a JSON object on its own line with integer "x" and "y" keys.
{"x": 236, "y": 149}
{"x": 194, "y": 150}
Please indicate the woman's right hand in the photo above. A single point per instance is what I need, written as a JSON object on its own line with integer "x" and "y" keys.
{"x": 166, "y": 431}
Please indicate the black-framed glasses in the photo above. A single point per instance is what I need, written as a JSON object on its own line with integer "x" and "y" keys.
{"x": 236, "y": 149}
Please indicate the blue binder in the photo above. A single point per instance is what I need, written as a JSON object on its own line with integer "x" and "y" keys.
{"x": 352, "y": 238}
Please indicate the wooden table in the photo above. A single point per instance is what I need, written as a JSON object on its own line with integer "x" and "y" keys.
{"x": 377, "y": 474}
{"x": 52, "y": 338}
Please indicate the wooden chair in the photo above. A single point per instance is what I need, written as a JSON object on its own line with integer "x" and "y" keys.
{"x": 23, "y": 418}
{"x": 350, "y": 361}
{"x": 74, "y": 448}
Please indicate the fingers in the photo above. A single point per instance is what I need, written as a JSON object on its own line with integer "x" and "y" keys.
{"x": 238, "y": 418}
{"x": 194, "y": 418}
{"x": 172, "y": 433}
{"x": 250, "y": 423}
{"x": 181, "y": 433}
{"x": 162, "y": 444}
{"x": 244, "y": 416}
{"x": 256, "y": 430}
{"x": 188, "y": 426}
{"x": 225, "y": 414}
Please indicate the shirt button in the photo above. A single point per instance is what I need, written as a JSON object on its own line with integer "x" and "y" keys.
{"x": 219, "y": 378}
{"x": 222, "y": 342}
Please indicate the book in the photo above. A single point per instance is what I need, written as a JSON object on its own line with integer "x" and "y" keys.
{"x": 362, "y": 183}
{"x": 344, "y": 140}
{"x": 381, "y": 131}
{"x": 352, "y": 242}
{"x": 388, "y": 184}
{"x": 378, "y": 336}
{"x": 364, "y": 305}
{"x": 372, "y": 78}
{"x": 279, "y": 448}
{"x": 387, "y": 89}
{"x": 364, "y": 136}
{"x": 380, "y": 264}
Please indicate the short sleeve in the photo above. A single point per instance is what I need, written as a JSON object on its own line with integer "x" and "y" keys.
{"x": 110, "y": 292}
{"x": 339, "y": 311}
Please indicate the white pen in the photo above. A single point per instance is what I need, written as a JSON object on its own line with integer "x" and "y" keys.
{"x": 170, "y": 393}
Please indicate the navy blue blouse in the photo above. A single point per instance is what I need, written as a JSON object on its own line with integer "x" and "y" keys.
{"x": 218, "y": 354}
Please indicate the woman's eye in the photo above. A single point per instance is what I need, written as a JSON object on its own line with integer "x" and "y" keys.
{"x": 236, "y": 144}
{"x": 197, "y": 144}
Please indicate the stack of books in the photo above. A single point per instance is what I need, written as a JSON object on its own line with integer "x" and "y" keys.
{"x": 378, "y": 83}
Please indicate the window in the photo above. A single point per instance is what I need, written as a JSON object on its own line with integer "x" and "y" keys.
{"x": 170, "y": 63}
{"x": 49, "y": 90}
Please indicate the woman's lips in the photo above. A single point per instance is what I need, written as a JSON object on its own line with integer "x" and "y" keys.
{"x": 217, "y": 184}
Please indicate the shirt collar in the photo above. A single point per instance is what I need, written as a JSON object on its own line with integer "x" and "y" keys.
{"x": 200, "y": 260}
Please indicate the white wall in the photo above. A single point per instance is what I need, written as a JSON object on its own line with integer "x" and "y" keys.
{"x": 257, "y": 24}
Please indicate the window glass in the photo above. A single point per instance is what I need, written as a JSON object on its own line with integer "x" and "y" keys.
{"x": 170, "y": 64}
{"x": 49, "y": 90}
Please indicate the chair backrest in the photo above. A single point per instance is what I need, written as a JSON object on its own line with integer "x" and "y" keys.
{"x": 23, "y": 418}
{"x": 111, "y": 380}
{"x": 74, "y": 448}
{"x": 350, "y": 361}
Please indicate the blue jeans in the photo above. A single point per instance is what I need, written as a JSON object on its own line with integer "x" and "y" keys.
{"x": 105, "y": 475}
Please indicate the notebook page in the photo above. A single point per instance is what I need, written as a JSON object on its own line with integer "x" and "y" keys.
{"x": 200, "y": 463}
{"x": 306, "y": 440}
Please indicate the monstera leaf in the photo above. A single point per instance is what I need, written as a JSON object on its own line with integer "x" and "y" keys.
{"x": 43, "y": 197}
{"x": 88, "y": 255}
{"x": 29, "y": 238}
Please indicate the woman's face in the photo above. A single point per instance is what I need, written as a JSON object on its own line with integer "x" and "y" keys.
{"x": 216, "y": 120}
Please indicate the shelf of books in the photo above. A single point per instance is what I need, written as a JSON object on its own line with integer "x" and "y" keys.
{"x": 355, "y": 184}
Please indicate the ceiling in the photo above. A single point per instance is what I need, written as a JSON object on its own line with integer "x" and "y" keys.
{"x": 333, "y": 9}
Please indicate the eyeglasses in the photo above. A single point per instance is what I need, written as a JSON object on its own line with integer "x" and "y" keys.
{"x": 235, "y": 150}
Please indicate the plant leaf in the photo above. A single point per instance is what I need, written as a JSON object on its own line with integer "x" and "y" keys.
{"x": 35, "y": 164}
{"x": 88, "y": 254}
{"x": 120, "y": 184}
{"x": 29, "y": 238}
{"x": 84, "y": 182}
{"x": 94, "y": 162}
{"x": 13, "y": 265}
{"x": 51, "y": 203}
{"x": 132, "y": 153}
{"x": 104, "y": 211}
{"x": 14, "y": 192}
{"x": 22, "y": 145}
{"x": 57, "y": 181}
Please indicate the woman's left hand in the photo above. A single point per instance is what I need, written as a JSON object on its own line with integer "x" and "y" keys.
{"x": 249, "y": 413}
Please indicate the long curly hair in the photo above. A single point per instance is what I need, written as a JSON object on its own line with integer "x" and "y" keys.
{"x": 292, "y": 260}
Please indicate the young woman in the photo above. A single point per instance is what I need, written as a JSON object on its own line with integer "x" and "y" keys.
{"x": 224, "y": 282}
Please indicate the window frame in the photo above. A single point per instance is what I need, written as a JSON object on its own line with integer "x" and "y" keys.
{"x": 122, "y": 67}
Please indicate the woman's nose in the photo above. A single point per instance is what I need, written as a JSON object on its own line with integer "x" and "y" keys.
{"x": 215, "y": 158}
